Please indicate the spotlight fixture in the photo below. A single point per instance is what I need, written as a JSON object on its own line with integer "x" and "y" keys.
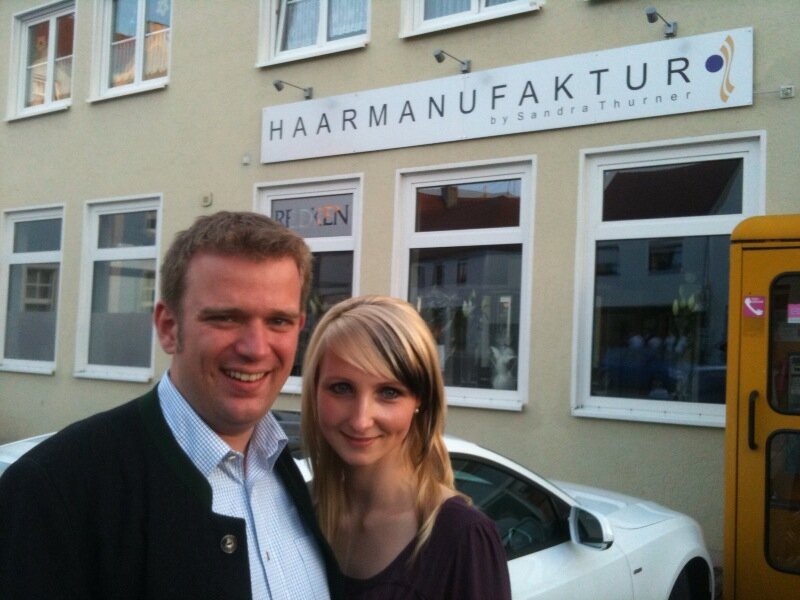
{"x": 670, "y": 27}
{"x": 307, "y": 91}
{"x": 439, "y": 55}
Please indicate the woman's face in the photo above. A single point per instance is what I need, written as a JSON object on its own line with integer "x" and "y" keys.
{"x": 364, "y": 417}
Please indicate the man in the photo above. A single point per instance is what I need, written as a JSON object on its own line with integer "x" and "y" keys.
{"x": 189, "y": 490}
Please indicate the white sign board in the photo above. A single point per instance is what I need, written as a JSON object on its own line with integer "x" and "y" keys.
{"x": 675, "y": 76}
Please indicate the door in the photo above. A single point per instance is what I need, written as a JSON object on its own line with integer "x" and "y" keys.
{"x": 768, "y": 494}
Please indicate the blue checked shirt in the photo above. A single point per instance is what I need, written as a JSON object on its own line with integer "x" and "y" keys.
{"x": 285, "y": 563}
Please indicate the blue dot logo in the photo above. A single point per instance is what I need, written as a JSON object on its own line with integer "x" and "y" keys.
{"x": 714, "y": 63}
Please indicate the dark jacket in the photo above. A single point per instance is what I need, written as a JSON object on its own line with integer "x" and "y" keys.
{"x": 111, "y": 508}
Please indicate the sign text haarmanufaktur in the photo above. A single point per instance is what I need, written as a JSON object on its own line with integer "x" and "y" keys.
{"x": 681, "y": 75}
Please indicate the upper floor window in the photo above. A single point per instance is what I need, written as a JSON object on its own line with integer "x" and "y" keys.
{"x": 422, "y": 16}
{"x": 293, "y": 29}
{"x": 327, "y": 214}
{"x": 42, "y": 58}
{"x": 118, "y": 284}
{"x": 653, "y": 297}
{"x": 132, "y": 46}
{"x": 463, "y": 259}
{"x": 31, "y": 269}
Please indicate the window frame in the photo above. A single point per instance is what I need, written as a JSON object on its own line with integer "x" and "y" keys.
{"x": 101, "y": 53}
{"x": 10, "y": 218}
{"x": 407, "y": 239}
{"x": 89, "y": 255}
{"x": 269, "y": 35}
{"x": 748, "y": 146}
{"x": 412, "y": 15}
{"x": 266, "y": 192}
{"x": 22, "y": 23}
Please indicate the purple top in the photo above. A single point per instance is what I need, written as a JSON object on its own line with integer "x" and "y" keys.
{"x": 463, "y": 560}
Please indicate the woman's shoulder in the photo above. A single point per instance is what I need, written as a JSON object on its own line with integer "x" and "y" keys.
{"x": 457, "y": 514}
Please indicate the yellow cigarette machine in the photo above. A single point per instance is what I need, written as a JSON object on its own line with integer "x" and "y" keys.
{"x": 762, "y": 438}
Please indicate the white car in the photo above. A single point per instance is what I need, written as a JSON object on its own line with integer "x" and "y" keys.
{"x": 564, "y": 541}
{"x": 572, "y": 542}
{"x": 13, "y": 450}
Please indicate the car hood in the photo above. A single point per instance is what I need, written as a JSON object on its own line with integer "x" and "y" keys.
{"x": 13, "y": 450}
{"x": 626, "y": 512}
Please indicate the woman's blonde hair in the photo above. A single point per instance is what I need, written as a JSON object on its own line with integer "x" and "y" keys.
{"x": 387, "y": 337}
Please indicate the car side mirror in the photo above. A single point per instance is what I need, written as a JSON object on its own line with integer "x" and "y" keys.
{"x": 589, "y": 529}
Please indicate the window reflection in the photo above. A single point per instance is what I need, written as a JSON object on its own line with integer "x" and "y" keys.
{"x": 783, "y": 511}
{"x": 784, "y": 316}
{"x": 660, "y": 324}
{"x": 712, "y": 187}
{"x": 123, "y": 292}
{"x": 122, "y": 230}
{"x": 468, "y": 206}
{"x": 469, "y": 296}
{"x": 331, "y": 283}
{"x": 38, "y": 235}
{"x": 31, "y": 312}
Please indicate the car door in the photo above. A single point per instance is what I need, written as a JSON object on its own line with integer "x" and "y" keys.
{"x": 544, "y": 563}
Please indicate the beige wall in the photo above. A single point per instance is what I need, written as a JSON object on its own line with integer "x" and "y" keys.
{"x": 187, "y": 141}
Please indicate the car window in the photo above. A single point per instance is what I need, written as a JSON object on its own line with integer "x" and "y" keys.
{"x": 528, "y": 518}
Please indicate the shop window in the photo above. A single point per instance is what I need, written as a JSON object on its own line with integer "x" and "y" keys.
{"x": 132, "y": 43}
{"x": 422, "y": 16}
{"x": 464, "y": 263}
{"x": 293, "y": 29}
{"x": 652, "y": 336}
{"x": 31, "y": 268}
{"x": 115, "y": 333}
{"x": 42, "y": 57}
{"x": 326, "y": 214}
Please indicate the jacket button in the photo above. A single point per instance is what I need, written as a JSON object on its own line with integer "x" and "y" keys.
{"x": 228, "y": 544}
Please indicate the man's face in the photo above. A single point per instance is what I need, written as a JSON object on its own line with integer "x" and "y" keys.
{"x": 234, "y": 343}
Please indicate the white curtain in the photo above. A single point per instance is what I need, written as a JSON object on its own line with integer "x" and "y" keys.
{"x": 441, "y": 8}
{"x": 346, "y": 18}
{"x": 300, "y": 23}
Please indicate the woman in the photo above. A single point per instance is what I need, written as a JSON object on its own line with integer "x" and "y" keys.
{"x": 373, "y": 421}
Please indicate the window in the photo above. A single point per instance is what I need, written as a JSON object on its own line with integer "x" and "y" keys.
{"x": 653, "y": 284}
{"x": 42, "y": 55}
{"x": 118, "y": 282}
{"x": 422, "y": 16}
{"x": 132, "y": 46}
{"x": 31, "y": 268}
{"x": 327, "y": 214}
{"x": 463, "y": 260}
{"x": 528, "y": 518}
{"x": 294, "y": 29}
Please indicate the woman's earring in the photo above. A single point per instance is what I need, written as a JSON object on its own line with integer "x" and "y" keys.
{"x": 416, "y": 411}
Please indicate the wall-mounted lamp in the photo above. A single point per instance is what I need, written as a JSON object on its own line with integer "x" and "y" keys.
{"x": 307, "y": 91}
{"x": 439, "y": 55}
{"x": 670, "y": 27}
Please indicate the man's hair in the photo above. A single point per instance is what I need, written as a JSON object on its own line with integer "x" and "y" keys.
{"x": 241, "y": 234}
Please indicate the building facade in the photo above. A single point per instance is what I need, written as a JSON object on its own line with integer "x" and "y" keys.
{"x": 553, "y": 186}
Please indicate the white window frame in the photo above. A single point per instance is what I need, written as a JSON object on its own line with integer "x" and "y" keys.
{"x": 413, "y": 21}
{"x": 269, "y": 34}
{"x": 7, "y": 258}
{"x": 22, "y": 22}
{"x": 265, "y": 193}
{"x": 751, "y": 148}
{"x": 407, "y": 239}
{"x": 90, "y": 254}
{"x": 101, "y": 55}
